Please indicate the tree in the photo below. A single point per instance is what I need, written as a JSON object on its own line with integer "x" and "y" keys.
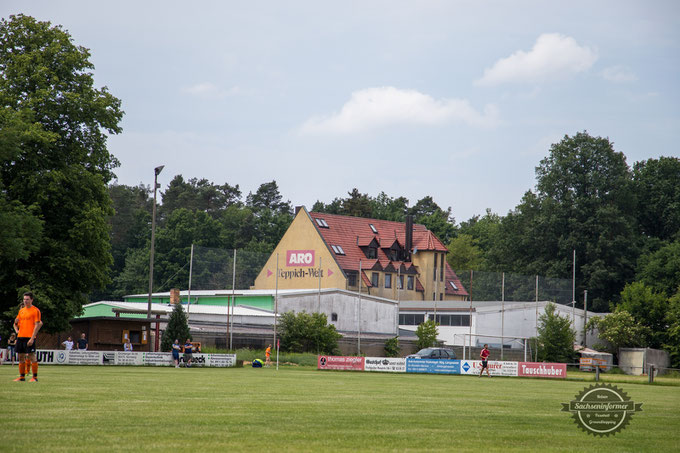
{"x": 307, "y": 332}
{"x": 357, "y": 204}
{"x": 57, "y": 168}
{"x": 648, "y": 309}
{"x": 619, "y": 330}
{"x": 672, "y": 338}
{"x": 440, "y": 222}
{"x": 660, "y": 270}
{"x": 584, "y": 201}
{"x": 199, "y": 195}
{"x": 555, "y": 337}
{"x": 268, "y": 197}
{"x": 427, "y": 334}
{"x": 464, "y": 253}
{"x": 658, "y": 197}
{"x": 177, "y": 329}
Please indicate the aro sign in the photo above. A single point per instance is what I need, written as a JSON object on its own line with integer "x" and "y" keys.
{"x": 300, "y": 258}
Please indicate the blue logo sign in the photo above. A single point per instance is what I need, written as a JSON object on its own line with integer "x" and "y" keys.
{"x": 466, "y": 366}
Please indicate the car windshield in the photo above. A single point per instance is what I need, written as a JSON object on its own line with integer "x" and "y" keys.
{"x": 426, "y": 351}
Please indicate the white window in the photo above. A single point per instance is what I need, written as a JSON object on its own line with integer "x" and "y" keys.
{"x": 322, "y": 223}
{"x": 373, "y": 228}
{"x": 453, "y": 285}
{"x": 338, "y": 250}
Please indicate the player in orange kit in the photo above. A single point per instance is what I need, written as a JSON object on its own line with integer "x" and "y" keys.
{"x": 27, "y": 324}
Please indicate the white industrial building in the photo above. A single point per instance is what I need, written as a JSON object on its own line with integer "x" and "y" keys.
{"x": 477, "y": 323}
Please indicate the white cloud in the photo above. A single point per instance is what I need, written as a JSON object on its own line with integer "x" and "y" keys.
{"x": 618, "y": 74}
{"x": 379, "y": 107}
{"x": 553, "y": 56}
{"x": 211, "y": 91}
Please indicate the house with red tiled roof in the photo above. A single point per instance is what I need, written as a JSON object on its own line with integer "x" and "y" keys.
{"x": 392, "y": 260}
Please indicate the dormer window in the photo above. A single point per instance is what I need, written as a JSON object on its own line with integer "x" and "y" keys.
{"x": 372, "y": 253}
{"x": 373, "y": 228}
{"x": 322, "y": 223}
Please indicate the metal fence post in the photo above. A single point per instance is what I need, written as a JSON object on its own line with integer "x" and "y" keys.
{"x": 651, "y": 374}
{"x": 597, "y": 374}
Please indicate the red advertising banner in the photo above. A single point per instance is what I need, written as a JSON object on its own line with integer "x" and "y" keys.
{"x": 540, "y": 369}
{"x": 330, "y": 362}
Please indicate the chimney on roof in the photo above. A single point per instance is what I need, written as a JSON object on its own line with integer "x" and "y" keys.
{"x": 174, "y": 296}
{"x": 298, "y": 209}
{"x": 409, "y": 237}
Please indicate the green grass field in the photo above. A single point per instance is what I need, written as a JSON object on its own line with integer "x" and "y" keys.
{"x": 301, "y": 409}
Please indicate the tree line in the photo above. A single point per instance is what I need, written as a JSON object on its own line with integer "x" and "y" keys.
{"x": 69, "y": 233}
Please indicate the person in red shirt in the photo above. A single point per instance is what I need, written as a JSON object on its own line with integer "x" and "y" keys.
{"x": 485, "y": 357}
{"x": 27, "y": 324}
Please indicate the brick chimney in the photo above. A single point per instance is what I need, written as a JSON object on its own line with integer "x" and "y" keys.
{"x": 174, "y": 296}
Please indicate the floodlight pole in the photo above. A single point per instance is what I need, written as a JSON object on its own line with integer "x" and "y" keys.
{"x": 156, "y": 172}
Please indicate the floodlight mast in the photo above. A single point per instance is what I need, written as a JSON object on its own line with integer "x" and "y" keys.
{"x": 156, "y": 172}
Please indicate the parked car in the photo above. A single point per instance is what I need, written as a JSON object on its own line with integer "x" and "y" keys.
{"x": 433, "y": 353}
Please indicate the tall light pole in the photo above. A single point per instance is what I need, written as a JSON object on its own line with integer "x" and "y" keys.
{"x": 157, "y": 171}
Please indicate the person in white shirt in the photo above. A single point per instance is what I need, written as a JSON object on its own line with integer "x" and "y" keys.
{"x": 127, "y": 345}
{"x": 68, "y": 344}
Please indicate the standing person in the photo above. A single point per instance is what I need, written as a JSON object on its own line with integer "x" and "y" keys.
{"x": 68, "y": 344}
{"x": 127, "y": 345}
{"x": 11, "y": 346}
{"x": 175, "y": 352}
{"x": 267, "y": 355}
{"x": 82, "y": 343}
{"x": 188, "y": 353}
{"x": 27, "y": 324}
{"x": 485, "y": 360}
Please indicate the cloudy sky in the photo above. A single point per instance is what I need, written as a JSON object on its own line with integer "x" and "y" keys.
{"x": 459, "y": 100}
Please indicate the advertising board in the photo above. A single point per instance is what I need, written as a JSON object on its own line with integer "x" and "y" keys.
{"x": 329, "y": 362}
{"x": 496, "y": 368}
{"x": 540, "y": 369}
{"x": 433, "y": 366}
{"x": 388, "y": 364}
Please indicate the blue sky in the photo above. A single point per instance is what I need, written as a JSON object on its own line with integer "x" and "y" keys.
{"x": 459, "y": 100}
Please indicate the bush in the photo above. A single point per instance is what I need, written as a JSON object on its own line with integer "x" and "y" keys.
{"x": 427, "y": 334}
{"x": 305, "y": 332}
{"x": 392, "y": 348}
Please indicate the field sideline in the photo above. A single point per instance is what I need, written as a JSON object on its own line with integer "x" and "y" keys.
{"x": 301, "y": 409}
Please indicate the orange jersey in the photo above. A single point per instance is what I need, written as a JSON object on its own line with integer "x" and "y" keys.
{"x": 26, "y": 320}
{"x": 268, "y": 352}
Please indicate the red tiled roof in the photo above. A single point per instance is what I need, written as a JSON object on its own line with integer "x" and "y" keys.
{"x": 451, "y": 277}
{"x": 346, "y": 231}
{"x": 366, "y": 280}
{"x": 419, "y": 286}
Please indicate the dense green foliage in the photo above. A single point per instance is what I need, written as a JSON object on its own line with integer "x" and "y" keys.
{"x": 427, "y": 334}
{"x": 618, "y": 330}
{"x": 54, "y": 167}
{"x": 307, "y": 332}
{"x": 392, "y": 348}
{"x": 555, "y": 337}
{"x": 177, "y": 329}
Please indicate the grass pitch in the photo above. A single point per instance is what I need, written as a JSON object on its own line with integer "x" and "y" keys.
{"x": 301, "y": 409}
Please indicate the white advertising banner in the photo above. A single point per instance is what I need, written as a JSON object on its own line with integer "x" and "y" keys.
{"x": 496, "y": 368}
{"x": 221, "y": 360}
{"x": 390, "y": 364}
{"x": 62, "y": 357}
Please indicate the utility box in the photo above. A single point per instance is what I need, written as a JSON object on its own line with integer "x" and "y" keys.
{"x": 636, "y": 361}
